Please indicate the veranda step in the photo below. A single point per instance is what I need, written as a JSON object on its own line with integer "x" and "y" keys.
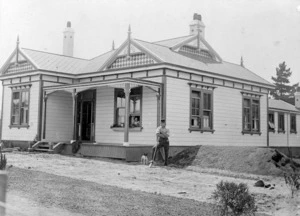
{"x": 43, "y": 150}
{"x": 44, "y": 145}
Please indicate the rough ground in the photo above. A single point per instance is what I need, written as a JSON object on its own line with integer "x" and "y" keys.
{"x": 252, "y": 160}
{"x": 57, "y": 195}
{"x": 172, "y": 182}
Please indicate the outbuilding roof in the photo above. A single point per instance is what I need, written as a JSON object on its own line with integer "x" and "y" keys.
{"x": 282, "y": 105}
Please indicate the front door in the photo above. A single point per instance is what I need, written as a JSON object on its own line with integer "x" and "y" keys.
{"x": 85, "y": 127}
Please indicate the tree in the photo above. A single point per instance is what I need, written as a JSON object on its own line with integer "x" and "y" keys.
{"x": 283, "y": 90}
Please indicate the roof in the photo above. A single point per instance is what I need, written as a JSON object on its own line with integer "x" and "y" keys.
{"x": 173, "y": 41}
{"x": 161, "y": 50}
{"x": 223, "y": 68}
{"x": 54, "y": 62}
{"x": 282, "y": 105}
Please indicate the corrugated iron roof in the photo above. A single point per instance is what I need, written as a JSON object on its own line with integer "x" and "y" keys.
{"x": 55, "y": 62}
{"x": 220, "y": 68}
{"x": 161, "y": 49}
{"x": 282, "y": 105}
{"x": 173, "y": 41}
{"x": 96, "y": 63}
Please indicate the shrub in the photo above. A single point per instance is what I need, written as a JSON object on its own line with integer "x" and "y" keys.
{"x": 233, "y": 199}
{"x": 292, "y": 180}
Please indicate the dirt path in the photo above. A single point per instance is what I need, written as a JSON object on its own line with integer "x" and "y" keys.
{"x": 49, "y": 194}
{"x": 167, "y": 181}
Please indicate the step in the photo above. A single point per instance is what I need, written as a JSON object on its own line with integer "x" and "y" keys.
{"x": 44, "y": 145}
{"x": 43, "y": 150}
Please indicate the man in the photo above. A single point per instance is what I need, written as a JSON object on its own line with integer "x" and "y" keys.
{"x": 162, "y": 140}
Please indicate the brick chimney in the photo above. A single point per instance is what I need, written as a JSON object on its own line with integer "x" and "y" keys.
{"x": 68, "y": 43}
{"x": 197, "y": 25}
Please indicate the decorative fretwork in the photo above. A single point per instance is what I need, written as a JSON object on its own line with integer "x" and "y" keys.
{"x": 131, "y": 61}
{"x": 195, "y": 51}
{"x": 21, "y": 66}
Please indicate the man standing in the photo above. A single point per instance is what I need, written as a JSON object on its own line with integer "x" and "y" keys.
{"x": 162, "y": 140}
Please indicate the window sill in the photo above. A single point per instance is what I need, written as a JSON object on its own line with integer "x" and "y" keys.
{"x": 135, "y": 129}
{"x": 18, "y": 126}
{"x": 281, "y": 131}
{"x": 201, "y": 130}
{"x": 272, "y": 131}
{"x": 251, "y": 132}
{"x": 293, "y": 132}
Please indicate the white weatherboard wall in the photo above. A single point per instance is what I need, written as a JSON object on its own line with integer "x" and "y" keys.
{"x": 287, "y": 138}
{"x": 59, "y": 117}
{"x": 21, "y": 134}
{"x": 227, "y": 117}
{"x": 105, "y": 118}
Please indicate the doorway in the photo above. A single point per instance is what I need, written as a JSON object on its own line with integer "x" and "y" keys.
{"x": 85, "y": 123}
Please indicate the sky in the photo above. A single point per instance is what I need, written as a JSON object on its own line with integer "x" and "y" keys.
{"x": 264, "y": 32}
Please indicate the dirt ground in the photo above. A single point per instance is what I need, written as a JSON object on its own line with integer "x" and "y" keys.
{"x": 195, "y": 184}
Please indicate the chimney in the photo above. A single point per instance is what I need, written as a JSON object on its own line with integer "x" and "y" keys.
{"x": 197, "y": 25}
{"x": 297, "y": 98}
{"x": 68, "y": 43}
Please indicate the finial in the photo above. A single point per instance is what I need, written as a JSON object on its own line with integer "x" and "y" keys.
{"x": 129, "y": 37}
{"x": 129, "y": 31}
{"x": 242, "y": 61}
{"x": 113, "y": 45}
{"x": 198, "y": 38}
{"x": 18, "y": 41}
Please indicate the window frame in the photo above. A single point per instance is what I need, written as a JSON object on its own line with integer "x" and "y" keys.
{"x": 115, "y": 124}
{"x": 293, "y": 130}
{"x": 201, "y": 110}
{"x": 280, "y": 130}
{"x": 251, "y": 131}
{"x": 272, "y": 113}
{"x": 20, "y": 90}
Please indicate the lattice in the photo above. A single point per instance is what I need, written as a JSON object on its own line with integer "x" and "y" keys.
{"x": 131, "y": 61}
{"x": 195, "y": 51}
{"x": 22, "y": 66}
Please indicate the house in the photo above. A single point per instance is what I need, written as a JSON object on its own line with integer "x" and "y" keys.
{"x": 284, "y": 121}
{"x": 118, "y": 98}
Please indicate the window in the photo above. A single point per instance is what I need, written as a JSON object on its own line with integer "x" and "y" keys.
{"x": 293, "y": 124}
{"x": 251, "y": 116}
{"x": 20, "y": 108}
{"x": 201, "y": 110}
{"x": 135, "y": 117}
{"x": 271, "y": 122}
{"x": 281, "y": 123}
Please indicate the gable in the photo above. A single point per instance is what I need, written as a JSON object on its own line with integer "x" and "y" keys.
{"x": 130, "y": 54}
{"x": 195, "y": 47}
{"x": 17, "y": 63}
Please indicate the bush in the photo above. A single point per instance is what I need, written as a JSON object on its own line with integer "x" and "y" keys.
{"x": 233, "y": 199}
{"x": 292, "y": 175}
{"x": 292, "y": 180}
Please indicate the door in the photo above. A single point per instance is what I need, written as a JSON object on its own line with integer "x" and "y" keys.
{"x": 85, "y": 127}
{"x": 86, "y": 124}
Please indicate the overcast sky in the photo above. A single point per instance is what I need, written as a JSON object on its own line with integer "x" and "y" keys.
{"x": 264, "y": 32}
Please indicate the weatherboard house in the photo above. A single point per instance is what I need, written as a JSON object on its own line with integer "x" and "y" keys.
{"x": 115, "y": 101}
